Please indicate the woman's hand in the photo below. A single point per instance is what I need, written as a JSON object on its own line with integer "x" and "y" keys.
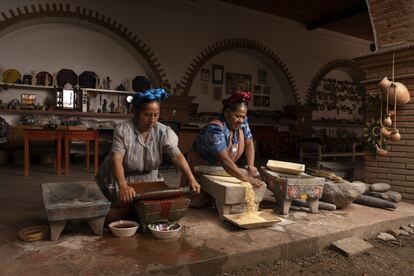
{"x": 194, "y": 185}
{"x": 254, "y": 181}
{"x": 126, "y": 193}
{"x": 253, "y": 171}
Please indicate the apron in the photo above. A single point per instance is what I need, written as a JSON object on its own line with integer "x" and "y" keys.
{"x": 195, "y": 159}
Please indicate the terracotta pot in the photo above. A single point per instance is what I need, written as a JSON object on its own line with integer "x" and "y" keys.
{"x": 403, "y": 95}
{"x": 380, "y": 151}
{"x": 387, "y": 121}
{"x": 395, "y": 136}
{"x": 385, "y": 132}
{"x": 384, "y": 83}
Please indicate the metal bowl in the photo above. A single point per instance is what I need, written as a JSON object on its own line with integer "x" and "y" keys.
{"x": 164, "y": 230}
{"x": 123, "y": 228}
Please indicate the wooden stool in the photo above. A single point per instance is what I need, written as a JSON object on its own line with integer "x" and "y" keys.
{"x": 42, "y": 135}
{"x": 80, "y": 135}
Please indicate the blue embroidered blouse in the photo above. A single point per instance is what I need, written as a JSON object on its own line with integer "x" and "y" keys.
{"x": 214, "y": 138}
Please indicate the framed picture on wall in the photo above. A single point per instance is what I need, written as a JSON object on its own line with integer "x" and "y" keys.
{"x": 218, "y": 74}
{"x": 262, "y": 76}
{"x": 205, "y": 74}
{"x": 257, "y": 100}
{"x": 265, "y": 101}
{"x": 237, "y": 82}
{"x": 217, "y": 93}
{"x": 257, "y": 89}
{"x": 266, "y": 90}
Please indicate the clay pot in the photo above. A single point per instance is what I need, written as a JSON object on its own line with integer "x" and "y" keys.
{"x": 387, "y": 121}
{"x": 380, "y": 151}
{"x": 395, "y": 136}
{"x": 403, "y": 95}
{"x": 385, "y": 132}
{"x": 384, "y": 83}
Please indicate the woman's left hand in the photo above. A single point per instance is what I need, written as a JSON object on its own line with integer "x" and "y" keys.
{"x": 195, "y": 186}
{"x": 253, "y": 171}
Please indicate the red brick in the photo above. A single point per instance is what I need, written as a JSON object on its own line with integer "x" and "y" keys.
{"x": 409, "y": 190}
{"x": 398, "y": 188}
{"x": 392, "y": 165}
{"x": 369, "y": 163}
{"x": 403, "y": 172}
{"x": 404, "y": 148}
{"x": 392, "y": 176}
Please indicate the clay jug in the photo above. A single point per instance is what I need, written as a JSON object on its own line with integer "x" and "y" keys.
{"x": 380, "y": 151}
{"x": 395, "y": 135}
{"x": 403, "y": 95}
{"x": 384, "y": 83}
{"x": 386, "y": 132}
{"x": 387, "y": 121}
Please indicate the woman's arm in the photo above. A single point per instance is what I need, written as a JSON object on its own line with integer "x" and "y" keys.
{"x": 126, "y": 193}
{"x": 231, "y": 168}
{"x": 180, "y": 162}
{"x": 249, "y": 153}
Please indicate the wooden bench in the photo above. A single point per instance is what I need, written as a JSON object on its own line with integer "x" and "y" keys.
{"x": 326, "y": 147}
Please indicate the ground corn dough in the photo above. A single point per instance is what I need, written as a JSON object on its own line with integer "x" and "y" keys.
{"x": 250, "y": 215}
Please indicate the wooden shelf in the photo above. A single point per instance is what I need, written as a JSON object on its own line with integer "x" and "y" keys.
{"x": 26, "y": 86}
{"x": 64, "y": 113}
{"x": 318, "y": 123}
{"x": 106, "y": 91}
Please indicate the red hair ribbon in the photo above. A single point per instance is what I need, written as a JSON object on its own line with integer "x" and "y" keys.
{"x": 237, "y": 97}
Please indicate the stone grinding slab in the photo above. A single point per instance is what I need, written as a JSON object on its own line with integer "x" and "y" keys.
{"x": 351, "y": 246}
{"x": 74, "y": 200}
{"x": 228, "y": 190}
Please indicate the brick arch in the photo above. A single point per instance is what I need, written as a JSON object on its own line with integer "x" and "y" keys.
{"x": 230, "y": 44}
{"x": 332, "y": 65}
{"x": 26, "y": 13}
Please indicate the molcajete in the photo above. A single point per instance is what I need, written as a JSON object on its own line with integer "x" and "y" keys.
{"x": 287, "y": 187}
{"x": 150, "y": 211}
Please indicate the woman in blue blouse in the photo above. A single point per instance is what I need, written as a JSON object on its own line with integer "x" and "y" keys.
{"x": 224, "y": 140}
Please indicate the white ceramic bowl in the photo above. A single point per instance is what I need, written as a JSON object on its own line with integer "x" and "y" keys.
{"x": 123, "y": 228}
{"x": 160, "y": 231}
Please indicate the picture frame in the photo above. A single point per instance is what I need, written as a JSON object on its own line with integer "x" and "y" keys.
{"x": 205, "y": 75}
{"x": 237, "y": 82}
{"x": 28, "y": 101}
{"x": 266, "y": 90}
{"x": 257, "y": 89}
{"x": 265, "y": 101}
{"x": 257, "y": 100}
{"x": 262, "y": 77}
{"x": 217, "y": 74}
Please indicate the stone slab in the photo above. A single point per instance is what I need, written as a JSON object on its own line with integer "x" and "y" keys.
{"x": 228, "y": 190}
{"x": 351, "y": 246}
{"x": 74, "y": 200}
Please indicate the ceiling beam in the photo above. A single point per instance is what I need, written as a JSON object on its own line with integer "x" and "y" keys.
{"x": 360, "y": 8}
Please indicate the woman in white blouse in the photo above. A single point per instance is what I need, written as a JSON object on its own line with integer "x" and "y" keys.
{"x": 137, "y": 150}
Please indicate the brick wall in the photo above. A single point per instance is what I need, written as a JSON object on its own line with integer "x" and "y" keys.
{"x": 397, "y": 168}
{"x": 393, "y": 21}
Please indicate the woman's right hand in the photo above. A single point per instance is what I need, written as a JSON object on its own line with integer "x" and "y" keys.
{"x": 255, "y": 182}
{"x": 126, "y": 193}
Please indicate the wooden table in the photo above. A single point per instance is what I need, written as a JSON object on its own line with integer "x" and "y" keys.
{"x": 42, "y": 135}
{"x": 82, "y": 135}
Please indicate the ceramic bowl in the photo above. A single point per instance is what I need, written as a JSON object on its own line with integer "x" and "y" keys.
{"x": 123, "y": 228}
{"x": 164, "y": 230}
